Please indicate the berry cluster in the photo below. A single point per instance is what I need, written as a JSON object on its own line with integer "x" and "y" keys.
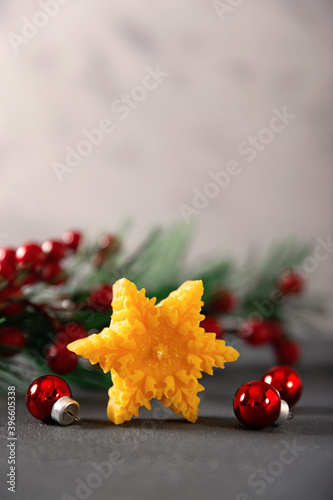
{"x": 32, "y": 263}
{"x": 258, "y": 332}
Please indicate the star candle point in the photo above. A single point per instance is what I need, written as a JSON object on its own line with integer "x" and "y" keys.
{"x": 155, "y": 350}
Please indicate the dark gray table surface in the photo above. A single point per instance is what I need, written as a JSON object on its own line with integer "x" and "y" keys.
{"x": 162, "y": 456}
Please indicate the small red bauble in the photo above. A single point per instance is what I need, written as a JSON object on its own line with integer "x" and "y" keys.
{"x": 287, "y": 352}
{"x": 43, "y": 393}
{"x": 60, "y": 360}
{"x": 223, "y": 301}
{"x": 72, "y": 239}
{"x": 258, "y": 405}
{"x": 54, "y": 250}
{"x": 211, "y": 324}
{"x": 29, "y": 256}
{"x": 101, "y": 297}
{"x": 49, "y": 397}
{"x": 256, "y": 332}
{"x": 287, "y": 381}
{"x": 7, "y": 263}
{"x": 12, "y": 341}
{"x": 290, "y": 283}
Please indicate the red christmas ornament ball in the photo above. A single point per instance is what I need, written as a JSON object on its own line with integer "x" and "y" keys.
{"x": 12, "y": 341}
{"x": 288, "y": 352}
{"x": 211, "y": 324}
{"x": 43, "y": 393}
{"x": 257, "y": 404}
{"x": 287, "y": 381}
{"x": 290, "y": 283}
{"x": 256, "y": 332}
{"x": 60, "y": 360}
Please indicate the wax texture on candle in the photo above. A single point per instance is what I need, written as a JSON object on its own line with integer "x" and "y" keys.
{"x": 155, "y": 351}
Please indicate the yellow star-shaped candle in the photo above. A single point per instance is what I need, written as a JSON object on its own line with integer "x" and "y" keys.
{"x": 155, "y": 351}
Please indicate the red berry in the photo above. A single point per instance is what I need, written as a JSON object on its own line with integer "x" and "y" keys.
{"x": 60, "y": 360}
{"x": 287, "y": 352}
{"x": 26, "y": 279}
{"x": 255, "y": 332}
{"x": 12, "y": 341}
{"x": 54, "y": 250}
{"x": 223, "y": 301}
{"x": 72, "y": 239}
{"x": 29, "y": 256}
{"x": 108, "y": 242}
{"x": 8, "y": 255}
{"x": 52, "y": 273}
{"x": 70, "y": 332}
{"x": 276, "y": 330}
{"x": 7, "y": 263}
{"x": 211, "y": 324}
{"x": 11, "y": 301}
{"x": 12, "y": 309}
{"x": 11, "y": 293}
{"x": 290, "y": 283}
{"x": 101, "y": 297}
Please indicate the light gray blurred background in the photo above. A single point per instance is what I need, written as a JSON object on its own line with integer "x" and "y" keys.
{"x": 228, "y": 67}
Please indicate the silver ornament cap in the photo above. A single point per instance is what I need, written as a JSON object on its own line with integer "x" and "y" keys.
{"x": 284, "y": 413}
{"x": 65, "y": 410}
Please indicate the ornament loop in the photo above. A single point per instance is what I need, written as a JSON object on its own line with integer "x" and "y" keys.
{"x": 75, "y": 417}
